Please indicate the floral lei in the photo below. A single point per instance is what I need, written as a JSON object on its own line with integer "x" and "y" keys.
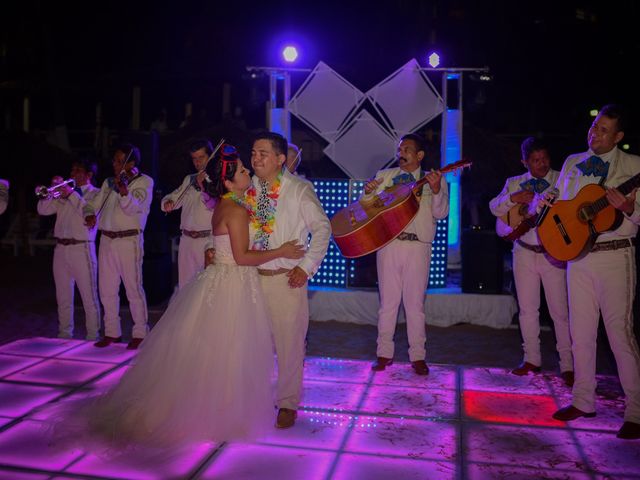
{"x": 263, "y": 222}
{"x": 232, "y": 196}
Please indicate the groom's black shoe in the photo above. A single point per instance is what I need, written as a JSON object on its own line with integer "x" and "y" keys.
{"x": 106, "y": 341}
{"x": 381, "y": 364}
{"x": 286, "y": 418}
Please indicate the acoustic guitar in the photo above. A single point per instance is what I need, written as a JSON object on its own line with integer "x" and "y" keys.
{"x": 366, "y": 226}
{"x": 519, "y": 219}
{"x": 571, "y": 227}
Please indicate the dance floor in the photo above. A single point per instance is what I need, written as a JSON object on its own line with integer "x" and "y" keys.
{"x": 457, "y": 423}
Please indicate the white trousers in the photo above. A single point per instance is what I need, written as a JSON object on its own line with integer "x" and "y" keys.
{"x": 121, "y": 259}
{"x": 529, "y": 269}
{"x": 403, "y": 274}
{"x": 190, "y": 257}
{"x": 289, "y": 314}
{"x": 76, "y": 265}
{"x": 604, "y": 281}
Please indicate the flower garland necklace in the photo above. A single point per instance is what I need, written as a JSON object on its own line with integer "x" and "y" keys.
{"x": 235, "y": 198}
{"x": 263, "y": 215}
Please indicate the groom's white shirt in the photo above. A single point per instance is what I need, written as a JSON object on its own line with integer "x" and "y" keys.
{"x": 298, "y": 214}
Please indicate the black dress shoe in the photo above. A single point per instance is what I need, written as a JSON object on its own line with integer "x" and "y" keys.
{"x": 106, "y": 341}
{"x": 629, "y": 431}
{"x": 381, "y": 364}
{"x": 420, "y": 367}
{"x": 134, "y": 343}
{"x": 286, "y": 418}
{"x": 568, "y": 413}
{"x": 525, "y": 368}
{"x": 568, "y": 378}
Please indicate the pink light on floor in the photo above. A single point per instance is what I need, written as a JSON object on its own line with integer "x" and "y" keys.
{"x": 411, "y": 402}
{"x": 145, "y": 464}
{"x": 17, "y": 400}
{"x": 25, "y": 445}
{"x": 314, "y": 429}
{"x": 404, "y": 438}
{"x": 546, "y": 449}
{"x": 12, "y": 363}
{"x": 40, "y": 347}
{"x": 13, "y": 475}
{"x": 332, "y": 395}
{"x": 257, "y": 462}
{"x": 521, "y": 409}
{"x": 61, "y": 372}
{"x": 501, "y": 380}
{"x": 116, "y": 353}
{"x": 440, "y": 377}
{"x": 336, "y": 369}
{"x": 352, "y": 466}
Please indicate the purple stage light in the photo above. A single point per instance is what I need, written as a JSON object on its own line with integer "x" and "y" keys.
{"x": 434, "y": 60}
{"x": 290, "y": 53}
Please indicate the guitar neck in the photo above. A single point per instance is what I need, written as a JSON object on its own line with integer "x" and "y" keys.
{"x": 449, "y": 168}
{"x": 625, "y": 188}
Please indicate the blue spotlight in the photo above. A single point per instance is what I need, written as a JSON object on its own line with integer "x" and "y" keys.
{"x": 290, "y": 53}
{"x": 434, "y": 60}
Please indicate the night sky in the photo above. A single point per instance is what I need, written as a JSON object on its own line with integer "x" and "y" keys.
{"x": 551, "y": 61}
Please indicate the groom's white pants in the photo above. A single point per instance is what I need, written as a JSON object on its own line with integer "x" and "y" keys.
{"x": 289, "y": 314}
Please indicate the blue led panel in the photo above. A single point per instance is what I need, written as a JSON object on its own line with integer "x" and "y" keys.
{"x": 336, "y": 270}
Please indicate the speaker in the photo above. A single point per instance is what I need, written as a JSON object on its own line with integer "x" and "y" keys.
{"x": 482, "y": 262}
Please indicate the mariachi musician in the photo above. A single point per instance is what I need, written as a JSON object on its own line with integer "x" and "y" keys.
{"x": 74, "y": 258}
{"x": 531, "y": 264}
{"x": 195, "y": 219}
{"x": 603, "y": 280}
{"x": 122, "y": 207}
{"x": 403, "y": 264}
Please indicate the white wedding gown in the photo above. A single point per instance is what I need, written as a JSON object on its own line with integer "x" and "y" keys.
{"x": 202, "y": 373}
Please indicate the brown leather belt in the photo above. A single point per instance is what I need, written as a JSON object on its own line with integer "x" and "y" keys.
{"x": 70, "y": 241}
{"x": 196, "y": 233}
{"x": 121, "y": 234}
{"x": 533, "y": 248}
{"x": 272, "y": 273}
{"x": 613, "y": 245}
{"x": 411, "y": 237}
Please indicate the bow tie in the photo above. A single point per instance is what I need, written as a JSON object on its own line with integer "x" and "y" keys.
{"x": 537, "y": 185}
{"x": 79, "y": 190}
{"x": 594, "y": 166}
{"x": 403, "y": 178}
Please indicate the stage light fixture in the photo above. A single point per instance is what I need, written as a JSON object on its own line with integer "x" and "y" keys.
{"x": 290, "y": 53}
{"x": 593, "y": 112}
{"x": 434, "y": 60}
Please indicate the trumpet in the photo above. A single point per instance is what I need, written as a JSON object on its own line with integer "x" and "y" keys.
{"x": 44, "y": 193}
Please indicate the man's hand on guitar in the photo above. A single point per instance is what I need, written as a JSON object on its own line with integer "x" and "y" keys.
{"x": 523, "y": 196}
{"x": 371, "y": 186}
{"x": 619, "y": 201}
{"x": 433, "y": 178}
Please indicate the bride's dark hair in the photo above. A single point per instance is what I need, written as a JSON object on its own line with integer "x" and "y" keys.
{"x": 223, "y": 168}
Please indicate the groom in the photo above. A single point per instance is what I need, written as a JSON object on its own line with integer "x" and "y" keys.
{"x": 285, "y": 207}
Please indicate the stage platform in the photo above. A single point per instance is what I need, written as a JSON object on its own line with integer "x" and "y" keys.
{"x": 443, "y": 307}
{"x": 457, "y": 423}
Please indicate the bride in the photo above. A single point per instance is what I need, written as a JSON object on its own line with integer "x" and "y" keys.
{"x": 204, "y": 372}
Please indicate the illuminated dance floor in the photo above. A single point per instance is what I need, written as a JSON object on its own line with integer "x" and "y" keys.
{"x": 459, "y": 422}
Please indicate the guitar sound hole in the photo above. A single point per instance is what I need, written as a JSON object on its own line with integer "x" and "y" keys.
{"x": 586, "y": 213}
